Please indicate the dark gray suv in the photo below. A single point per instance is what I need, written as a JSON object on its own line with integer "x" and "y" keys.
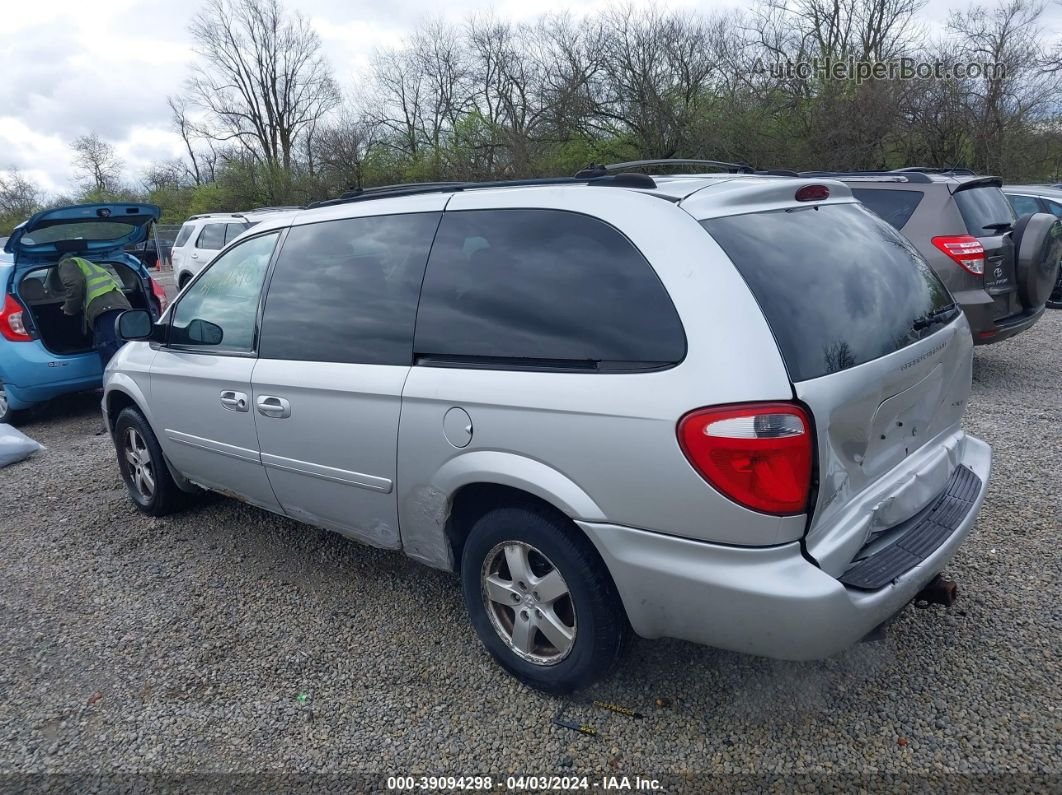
{"x": 998, "y": 267}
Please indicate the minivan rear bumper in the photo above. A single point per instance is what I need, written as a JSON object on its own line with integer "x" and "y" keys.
{"x": 768, "y": 601}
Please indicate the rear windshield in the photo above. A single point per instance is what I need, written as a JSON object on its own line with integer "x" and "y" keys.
{"x": 981, "y": 208}
{"x": 89, "y": 230}
{"x": 838, "y": 286}
{"x": 894, "y": 206}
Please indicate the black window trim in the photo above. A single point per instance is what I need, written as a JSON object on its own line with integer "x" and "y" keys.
{"x": 515, "y": 364}
{"x": 209, "y": 350}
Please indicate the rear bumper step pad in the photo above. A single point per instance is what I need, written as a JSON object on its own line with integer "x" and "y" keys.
{"x": 920, "y": 535}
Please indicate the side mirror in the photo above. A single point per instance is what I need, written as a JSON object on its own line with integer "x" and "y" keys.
{"x": 203, "y": 332}
{"x": 134, "y": 324}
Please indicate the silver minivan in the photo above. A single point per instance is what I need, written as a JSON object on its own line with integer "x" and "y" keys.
{"x": 722, "y": 408}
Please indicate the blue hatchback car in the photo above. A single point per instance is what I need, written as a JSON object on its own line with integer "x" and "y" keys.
{"x": 43, "y": 352}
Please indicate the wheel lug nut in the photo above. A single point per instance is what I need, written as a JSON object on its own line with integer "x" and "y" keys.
{"x": 535, "y": 594}
{"x": 516, "y": 597}
{"x": 524, "y": 615}
{"x": 538, "y": 614}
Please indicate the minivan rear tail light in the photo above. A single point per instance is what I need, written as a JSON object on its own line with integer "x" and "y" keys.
{"x": 160, "y": 294}
{"x": 965, "y": 250}
{"x": 758, "y": 455}
{"x": 11, "y": 326}
{"x": 813, "y": 193}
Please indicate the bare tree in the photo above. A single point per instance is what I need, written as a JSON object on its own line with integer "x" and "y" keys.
{"x": 263, "y": 81}
{"x": 19, "y": 198}
{"x": 96, "y": 164}
{"x": 1017, "y": 92}
{"x": 341, "y": 149}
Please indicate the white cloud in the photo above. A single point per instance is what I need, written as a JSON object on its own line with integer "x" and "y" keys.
{"x": 70, "y": 67}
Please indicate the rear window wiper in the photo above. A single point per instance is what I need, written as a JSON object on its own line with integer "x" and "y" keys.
{"x": 1002, "y": 226}
{"x": 941, "y": 315}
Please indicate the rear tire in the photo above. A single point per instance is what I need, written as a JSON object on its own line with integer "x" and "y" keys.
{"x": 182, "y": 280}
{"x": 541, "y": 600}
{"x": 143, "y": 468}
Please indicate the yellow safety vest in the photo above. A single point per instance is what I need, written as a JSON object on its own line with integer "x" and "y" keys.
{"x": 98, "y": 281}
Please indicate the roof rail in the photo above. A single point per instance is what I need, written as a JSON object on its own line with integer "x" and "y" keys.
{"x": 277, "y": 208}
{"x": 895, "y": 176}
{"x": 926, "y": 170}
{"x": 641, "y": 181}
{"x": 602, "y": 170}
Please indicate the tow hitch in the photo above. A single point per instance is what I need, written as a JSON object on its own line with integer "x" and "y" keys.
{"x": 938, "y": 591}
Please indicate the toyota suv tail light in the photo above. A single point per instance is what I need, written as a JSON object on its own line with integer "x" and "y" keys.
{"x": 11, "y": 326}
{"x": 759, "y": 455}
{"x": 965, "y": 251}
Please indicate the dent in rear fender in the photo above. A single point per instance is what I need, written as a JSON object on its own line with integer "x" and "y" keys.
{"x": 424, "y": 509}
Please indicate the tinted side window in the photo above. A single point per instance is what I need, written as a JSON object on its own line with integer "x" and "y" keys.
{"x": 183, "y": 235}
{"x": 983, "y": 207}
{"x": 1023, "y": 205}
{"x": 346, "y": 291}
{"x": 543, "y": 287}
{"x": 837, "y": 285}
{"x": 212, "y": 237}
{"x": 226, "y": 294}
{"x": 895, "y": 206}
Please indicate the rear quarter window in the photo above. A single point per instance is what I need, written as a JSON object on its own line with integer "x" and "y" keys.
{"x": 838, "y": 286}
{"x": 981, "y": 208}
{"x": 183, "y": 235}
{"x": 543, "y": 288}
{"x": 895, "y": 207}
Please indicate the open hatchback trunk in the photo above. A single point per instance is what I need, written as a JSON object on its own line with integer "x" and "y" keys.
{"x": 43, "y": 294}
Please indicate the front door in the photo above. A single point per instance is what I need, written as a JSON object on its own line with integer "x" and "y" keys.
{"x": 337, "y": 344}
{"x": 201, "y": 379}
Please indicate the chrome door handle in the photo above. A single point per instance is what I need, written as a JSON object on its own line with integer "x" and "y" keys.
{"x": 234, "y": 401}
{"x": 269, "y": 406}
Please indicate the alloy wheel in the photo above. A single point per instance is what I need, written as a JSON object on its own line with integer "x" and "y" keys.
{"x": 3, "y": 400}
{"x": 529, "y": 603}
{"x": 141, "y": 468}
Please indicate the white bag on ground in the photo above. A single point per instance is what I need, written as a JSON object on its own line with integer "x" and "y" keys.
{"x": 15, "y": 445}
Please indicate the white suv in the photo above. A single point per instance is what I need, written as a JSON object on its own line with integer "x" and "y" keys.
{"x": 203, "y": 236}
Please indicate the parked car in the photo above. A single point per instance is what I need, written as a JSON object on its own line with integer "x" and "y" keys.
{"x": 203, "y": 236}
{"x": 44, "y": 353}
{"x": 964, "y": 227}
{"x": 719, "y": 408}
{"x": 1026, "y": 199}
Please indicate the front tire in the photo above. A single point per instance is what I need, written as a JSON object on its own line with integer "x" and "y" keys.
{"x": 541, "y": 600}
{"x": 144, "y": 471}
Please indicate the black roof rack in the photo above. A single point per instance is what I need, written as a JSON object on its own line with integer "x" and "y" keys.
{"x": 641, "y": 181}
{"x": 601, "y": 170}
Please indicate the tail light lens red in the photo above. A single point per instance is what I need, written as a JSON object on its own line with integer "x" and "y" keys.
{"x": 813, "y": 193}
{"x": 758, "y": 455}
{"x": 160, "y": 294}
{"x": 965, "y": 250}
{"x": 11, "y": 326}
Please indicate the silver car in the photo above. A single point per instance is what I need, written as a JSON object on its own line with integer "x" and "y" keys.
{"x": 721, "y": 408}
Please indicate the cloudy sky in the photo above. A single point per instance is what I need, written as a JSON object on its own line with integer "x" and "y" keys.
{"x": 70, "y": 67}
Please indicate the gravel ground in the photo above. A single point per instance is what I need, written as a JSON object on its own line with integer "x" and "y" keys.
{"x": 225, "y": 639}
